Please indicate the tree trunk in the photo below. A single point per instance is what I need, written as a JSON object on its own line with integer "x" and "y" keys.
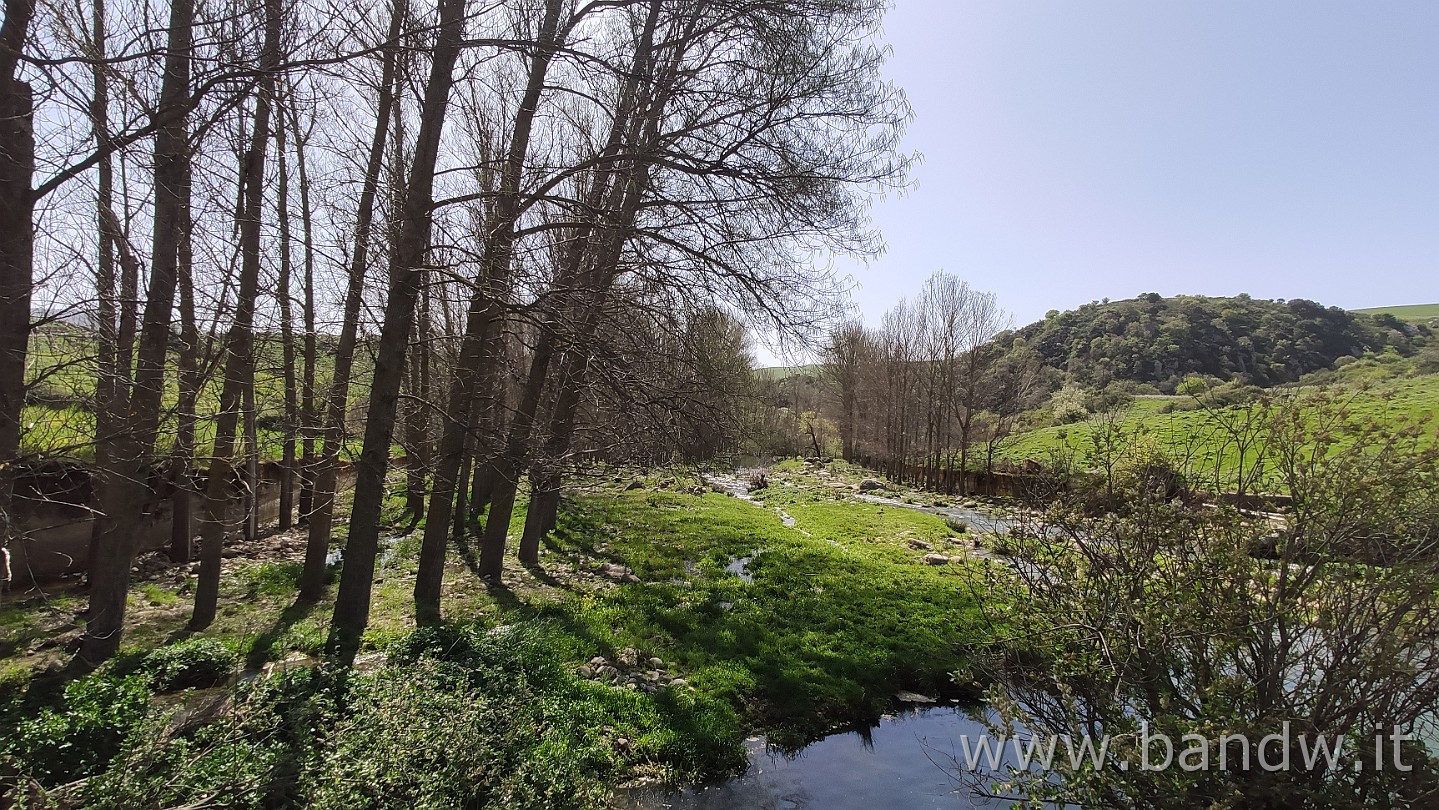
{"x": 506, "y": 468}
{"x": 545, "y": 483}
{"x": 121, "y": 491}
{"x": 352, "y": 603}
{"x": 17, "y": 235}
{"x": 287, "y": 338}
{"x": 417, "y": 451}
{"x": 309, "y": 419}
{"x": 322, "y": 517}
{"x": 240, "y": 342}
{"x": 181, "y": 501}
{"x": 480, "y": 483}
{"x": 107, "y": 381}
{"x": 252, "y": 445}
{"x": 484, "y": 313}
{"x": 17, "y": 245}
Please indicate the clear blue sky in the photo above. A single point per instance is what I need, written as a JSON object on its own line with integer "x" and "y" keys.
{"x": 1081, "y": 149}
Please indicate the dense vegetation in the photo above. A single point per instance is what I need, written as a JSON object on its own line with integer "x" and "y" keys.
{"x": 1195, "y": 623}
{"x": 503, "y": 259}
{"x": 758, "y": 624}
{"x": 1160, "y": 341}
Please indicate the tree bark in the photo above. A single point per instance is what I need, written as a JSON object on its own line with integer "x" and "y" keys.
{"x": 17, "y": 235}
{"x": 352, "y": 603}
{"x": 545, "y": 482}
{"x": 181, "y": 501}
{"x": 17, "y": 245}
{"x": 322, "y": 517}
{"x": 239, "y": 343}
{"x": 309, "y": 419}
{"x": 417, "y": 451}
{"x": 121, "y": 489}
{"x": 287, "y": 337}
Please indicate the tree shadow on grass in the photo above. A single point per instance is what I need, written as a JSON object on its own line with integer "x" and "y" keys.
{"x": 524, "y": 611}
{"x": 462, "y": 539}
{"x": 263, "y": 645}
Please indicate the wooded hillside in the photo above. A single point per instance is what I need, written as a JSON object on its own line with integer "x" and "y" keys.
{"x": 1151, "y": 339}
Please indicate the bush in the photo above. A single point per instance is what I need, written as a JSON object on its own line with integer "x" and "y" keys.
{"x": 1067, "y": 405}
{"x": 1428, "y": 361}
{"x": 195, "y": 662}
{"x": 1112, "y": 397}
{"x": 460, "y": 717}
{"x": 423, "y": 736}
{"x": 79, "y": 737}
{"x": 271, "y": 735}
{"x": 1001, "y": 543}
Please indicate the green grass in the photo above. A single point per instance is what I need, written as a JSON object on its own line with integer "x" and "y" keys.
{"x": 841, "y": 613}
{"x": 1413, "y": 313}
{"x": 159, "y": 596}
{"x": 61, "y": 370}
{"x": 1196, "y": 435}
{"x": 780, "y": 373}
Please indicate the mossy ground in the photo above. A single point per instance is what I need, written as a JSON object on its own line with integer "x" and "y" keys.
{"x": 835, "y": 613}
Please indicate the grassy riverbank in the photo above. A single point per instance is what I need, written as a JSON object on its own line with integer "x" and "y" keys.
{"x": 756, "y": 626}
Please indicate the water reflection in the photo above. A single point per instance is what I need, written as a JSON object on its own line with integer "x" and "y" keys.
{"x": 904, "y": 763}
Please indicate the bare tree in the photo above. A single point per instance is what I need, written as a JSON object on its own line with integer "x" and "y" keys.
{"x": 844, "y": 360}
{"x": 312, "y": 577}
{"x": 283, "y": 296}
{"x": 239, "y": 374}
{"x": 121, "y": 487}
{"x": 485, "y": 309}
{"x": 352, "y": 603}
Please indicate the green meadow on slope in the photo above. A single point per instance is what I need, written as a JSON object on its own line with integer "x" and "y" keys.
{"x": 1184, "y": 430}
{"x": 1412, "y": 313}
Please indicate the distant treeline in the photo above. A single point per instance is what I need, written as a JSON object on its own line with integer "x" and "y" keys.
{"x": 1160, "y": 341}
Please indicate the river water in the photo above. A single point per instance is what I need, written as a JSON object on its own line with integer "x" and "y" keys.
{"x": 906, "y": 762}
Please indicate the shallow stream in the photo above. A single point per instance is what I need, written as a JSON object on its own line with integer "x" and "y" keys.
{"x": 906, "y": 762}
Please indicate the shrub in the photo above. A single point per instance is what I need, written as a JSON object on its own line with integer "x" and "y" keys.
{"x": 79, "y": 737}
{"x": 1113, "y": 396}
{"x": 422, "y": 736}
{"x": 1001, "y": 544}
{"x": 195, "y": 662}
{"x": 272, "y": 733}
{"x": 1067, "y": 405}
{"x": 1428, "y": 361}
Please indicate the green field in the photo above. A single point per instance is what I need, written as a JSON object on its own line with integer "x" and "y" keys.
{"x": 61, "y": 370}
{"x": 1413, "y": 313}
{"x": 780, "y": 373}
{"x": 1184, "y": 432}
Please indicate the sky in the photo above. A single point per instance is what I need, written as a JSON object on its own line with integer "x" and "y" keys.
{"x": 1074, "y": 150}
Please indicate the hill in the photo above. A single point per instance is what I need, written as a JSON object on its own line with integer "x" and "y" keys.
{"x": 1160, "y": 341}
{"x": 1183, "y": 430}
{"x": 1426, "y": 314}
